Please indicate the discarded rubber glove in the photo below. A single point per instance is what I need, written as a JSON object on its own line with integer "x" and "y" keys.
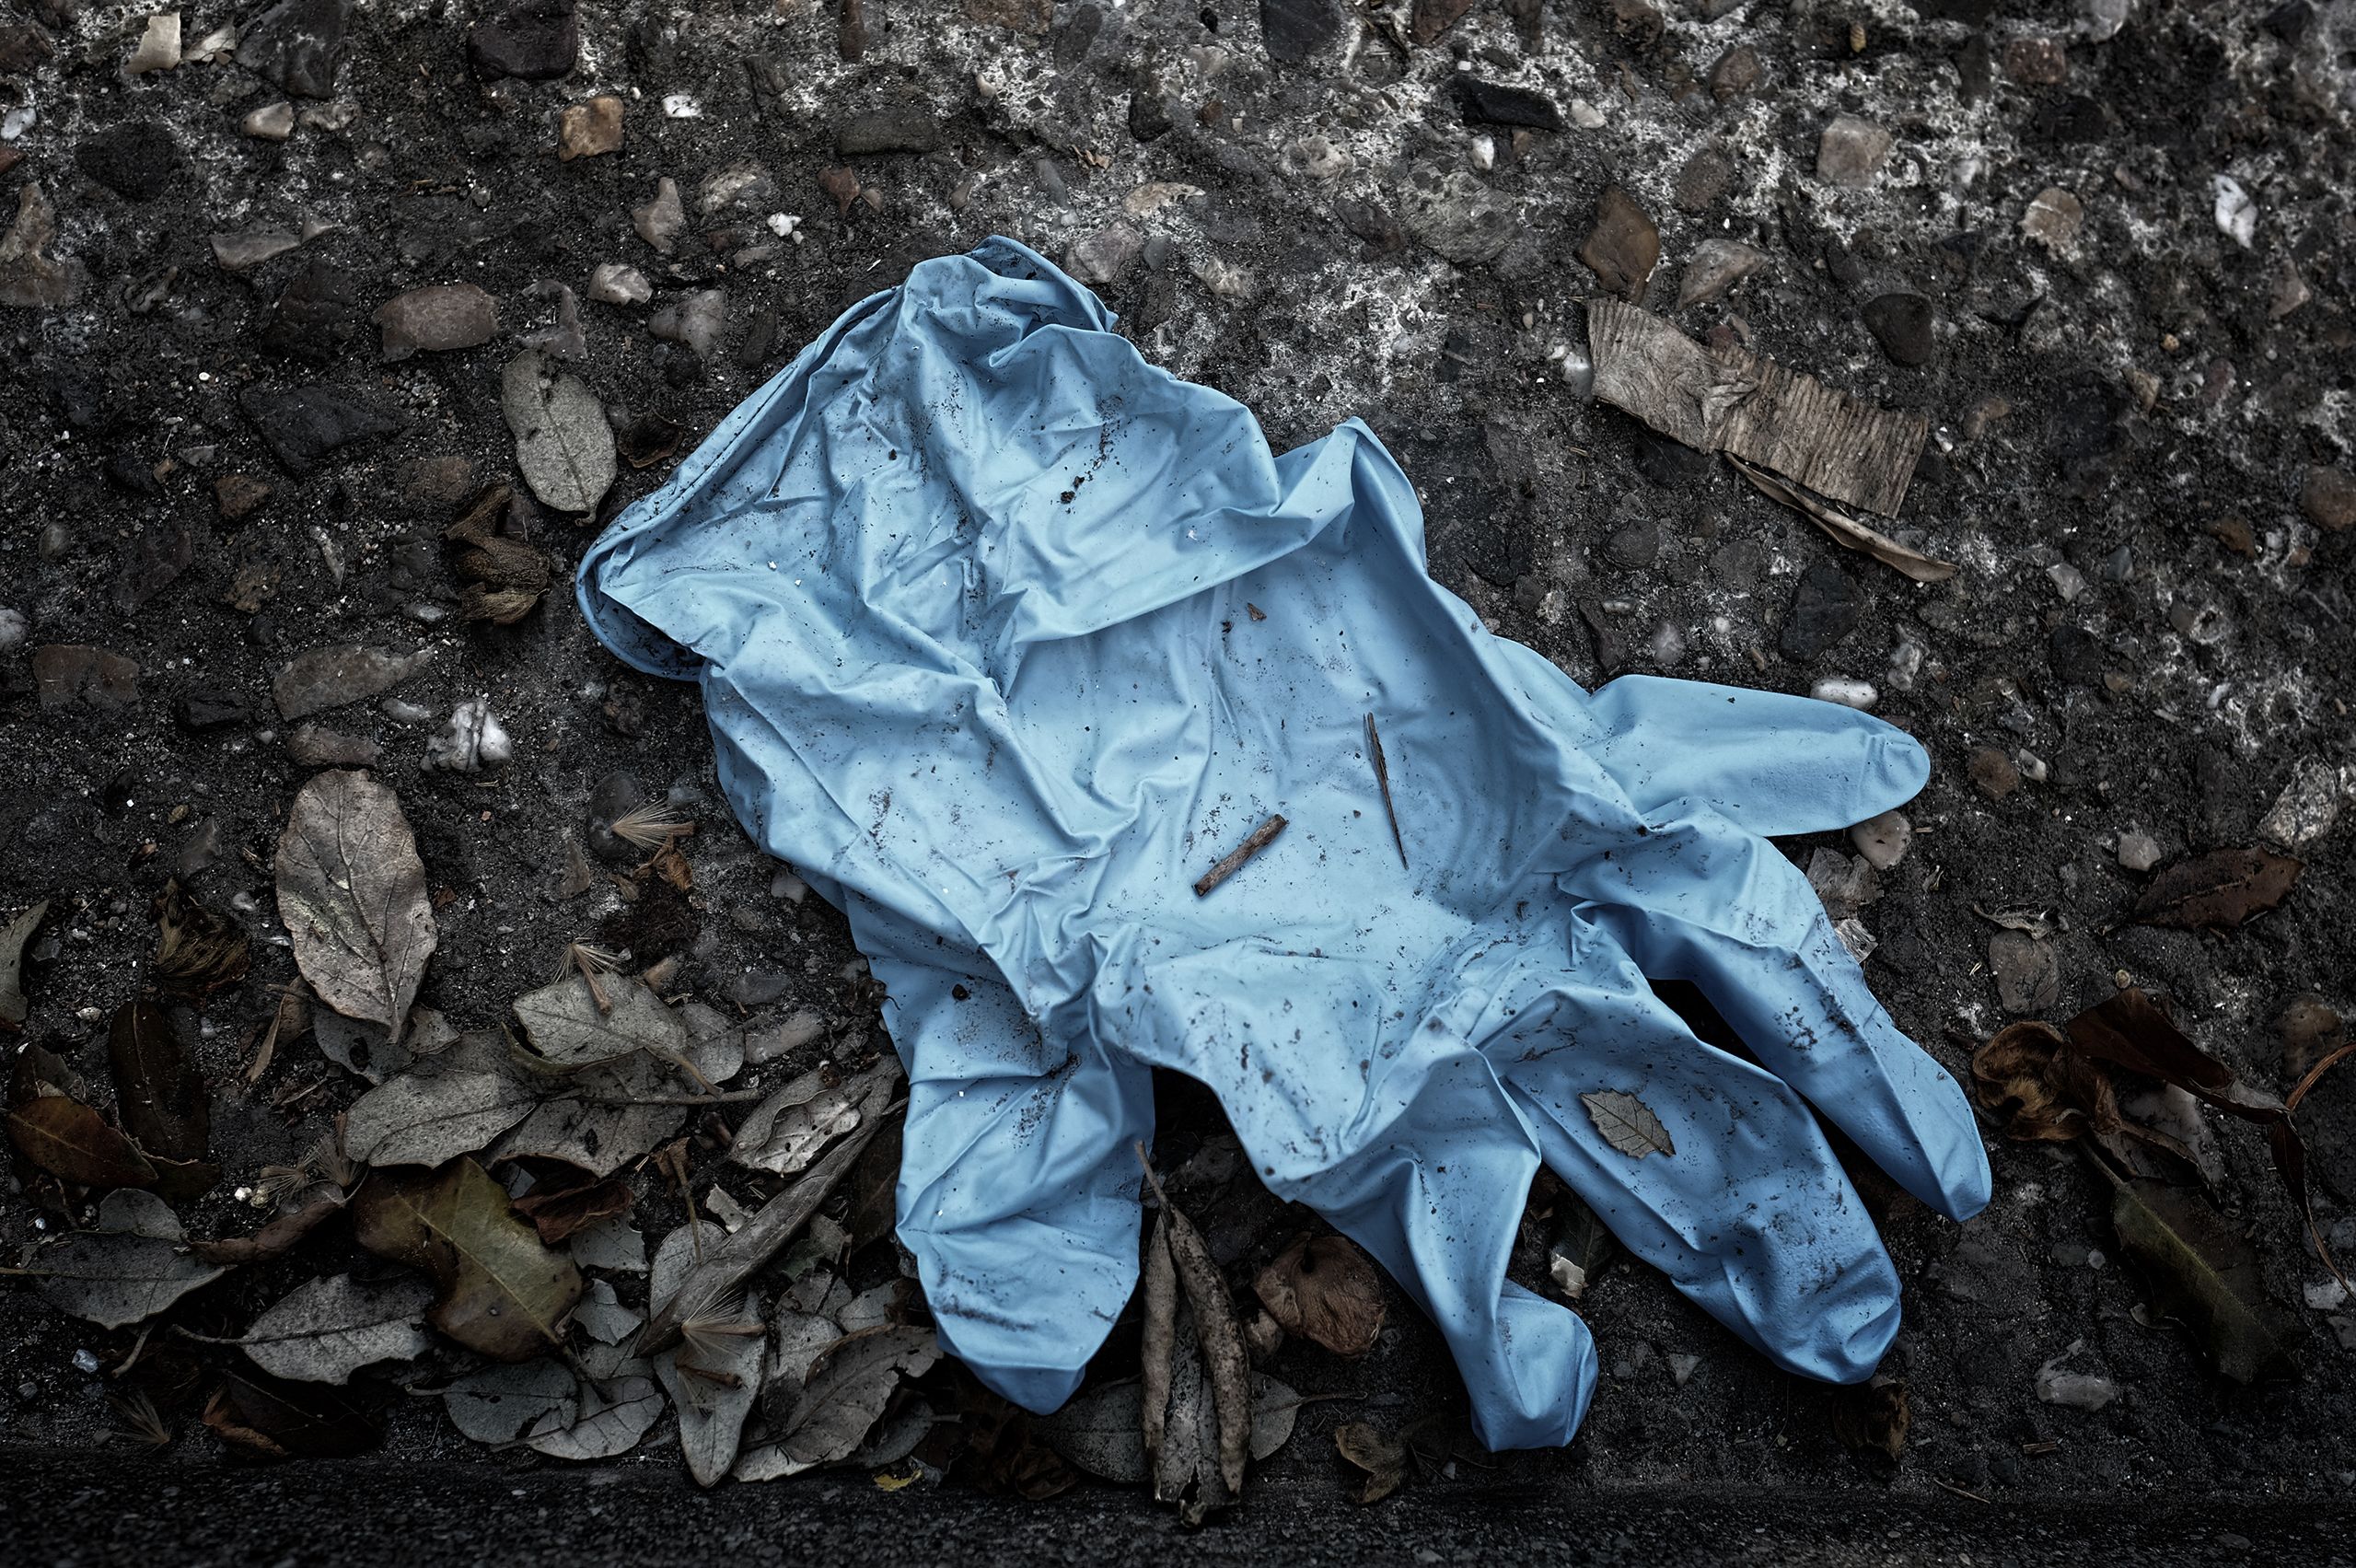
{"x": 1006, "y": 636}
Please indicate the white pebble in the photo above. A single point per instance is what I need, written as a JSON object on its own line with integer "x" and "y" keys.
{"x": 1585, "y": 115}
{"x": 472, "y": 740}
{"x": 682, "y": 106}
{"x": 2068, "y": 581}
{"x": 2236, "y": 212}
{"x": 1858, "y": 695}
{"x": 14, "y": 629}
{"x": 2138, "y": 852}
{"x": 1883, "y": 840}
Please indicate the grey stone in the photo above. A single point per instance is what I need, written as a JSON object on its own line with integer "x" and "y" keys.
{"x": 661, "y": 221}
{"x": 1717, "y": 265}
{"x": 438, "y": 318}
{"x": 887, "y": 131}
{"x": 1455, "y": 216}
{"x": 1292, "y": 30}
{"x": 1104, "y": 258}
{"x": 1851, "y": 152}
{"x": 1823, "y": 610}
{"x": 306, "y": 426}
{"x": 2027, "y": 972}
{"x": 297, "y": 45}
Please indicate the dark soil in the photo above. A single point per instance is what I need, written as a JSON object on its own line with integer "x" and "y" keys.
{"x": 2149, "y": 627}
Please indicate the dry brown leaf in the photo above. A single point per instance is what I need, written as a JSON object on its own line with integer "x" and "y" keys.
{"x": 198, "y": 951}
{"x": 13, "y": 1008}
{"x": 1846, "y": 529}
{"x": 71, "y": 1141}
{"x": 351, "y": 895}
{"x": 1730, "y": 399}
{"x": 1218, "y": 1335}
{"x": 273, "y": 1240}
{"x": 1627, "y": 1124}
{"x": 1327, "y": 1290}
{"x": 504, "y": 1294}
{"x": 1874, "y": 1418}
{"x": 1159, "y": 1348}
{"x": 1382, "y": 1458}
{"x": 158, "y": 1089}
{"x": 2219, "y": 890}
{"x": 2205, "y": 1274}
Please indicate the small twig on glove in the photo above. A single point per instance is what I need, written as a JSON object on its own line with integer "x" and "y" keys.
{"x": 1383, "y": 780}
{"x": 1261, "y": 837}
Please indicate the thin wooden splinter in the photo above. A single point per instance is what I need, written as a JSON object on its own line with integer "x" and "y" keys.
{"x": 1261, "y": 837}
{"x": 1383, "y": 782}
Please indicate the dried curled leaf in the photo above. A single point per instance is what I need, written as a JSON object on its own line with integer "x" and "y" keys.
{"x": 198, "y": 950}
{"x": 13, "y": 1008}
{"x": 1846, "y": 529}
{"x": 1627, "y": 1124}
{"x": 351, "y": 895}
{"x": 1874, "y": 1418}
{"x": 2219, "y": 890}
{"x": 1198, "y": 1417}
{"x": 2020, "y": 1077}
{"x": 71, "y": 1141}
{"x": 1382, "y": 1458}
{"x": 157, "y": 1085}
{"x": 2205, "y": 1274}
{"x": 504, "y": 1294}
{"x": 1323, "y": 1289}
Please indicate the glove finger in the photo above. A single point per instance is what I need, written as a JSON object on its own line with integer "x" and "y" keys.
{"x": 1772, "y": 762}
{"x": 1701, "y": 899}
{"x": 1018, "y": 1189}
{"x": 1748, "y": 1213}
{"x": 1439, "y": 1205}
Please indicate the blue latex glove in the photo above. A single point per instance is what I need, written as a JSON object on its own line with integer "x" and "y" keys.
{"x": 1005, "y": 636}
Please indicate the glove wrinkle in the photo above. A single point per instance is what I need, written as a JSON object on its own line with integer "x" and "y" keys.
{"x": 1005, "y": 636}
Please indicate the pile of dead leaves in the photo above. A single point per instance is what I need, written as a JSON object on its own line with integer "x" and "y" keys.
{"x": 487, "y": 1181}
{"x": 2126, "y": 1087}
{"x": 470, "y": 1227}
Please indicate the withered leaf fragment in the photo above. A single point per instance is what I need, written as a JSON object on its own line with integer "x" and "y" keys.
{"x": 1191, "y": 1351}
{"x": 1729, "y": 400}
{"x": 1627, "y": 1124}
{"x": 1874, "y": 1418}
{"x": 843, "y": 1398}
{"x": 2219, "y": 890}
{"x": 71, "y": 1141}
{"x": 501, "y": 580}
{"x": 1323, "y": 1289}
{"x": 326, "y": 1329}
{"x": 351, "y": 895}
{"x": 1382, "y": 1458}
{"x": 157, "y": 1089}
{"x": 2205, "y": 1274}
{"x": 504, "y": 1294}
{"x": 198, "y": 950}
{"x": 13, "y": 938}
{"x": 557, "y": 1209}
{"x": 726, "y": 1267}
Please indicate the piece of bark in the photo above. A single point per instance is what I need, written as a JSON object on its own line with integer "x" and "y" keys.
{"x": 1732, "y": 401}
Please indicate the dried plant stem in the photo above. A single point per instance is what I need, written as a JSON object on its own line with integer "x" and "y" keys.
{"x": 1261, "y": 837}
